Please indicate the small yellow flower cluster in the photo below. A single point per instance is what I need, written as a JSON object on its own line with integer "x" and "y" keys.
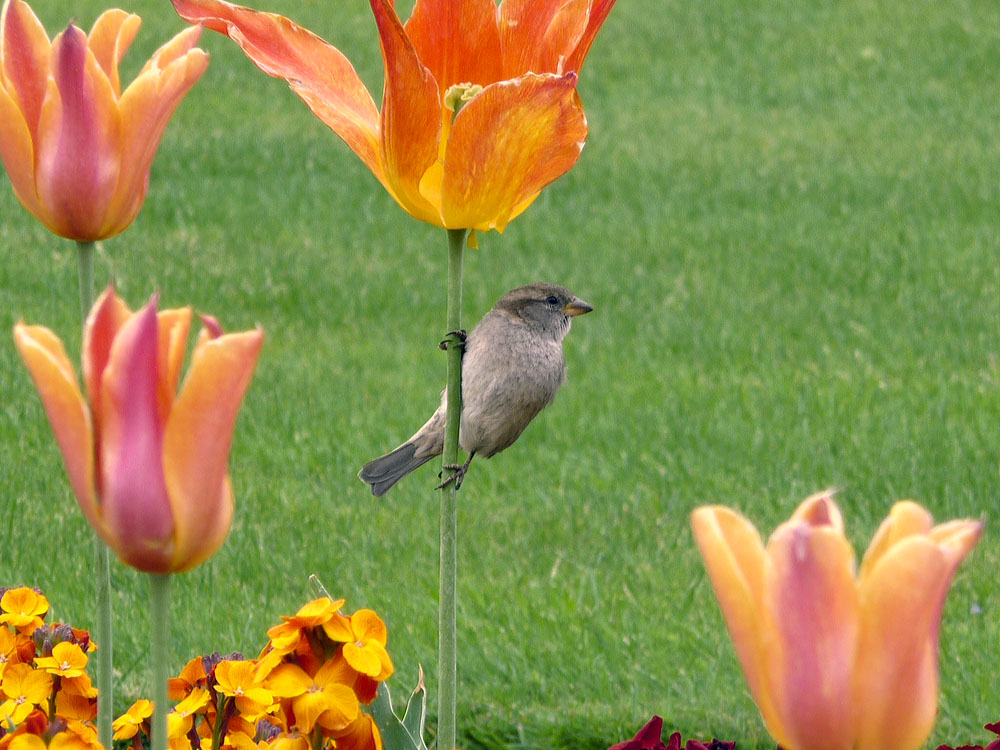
{"x": 46, "y": 697}
{"x": 303, "y": 692}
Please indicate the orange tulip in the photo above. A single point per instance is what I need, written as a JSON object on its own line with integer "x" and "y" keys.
{"x": 78, "y": 150}
{"x": 513, "y": 68}
{"x": 836, "y": 660}
{"x": 149, "y": 469}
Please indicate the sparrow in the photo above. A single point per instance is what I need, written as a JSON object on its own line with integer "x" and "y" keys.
{"x": 512, "y": 366}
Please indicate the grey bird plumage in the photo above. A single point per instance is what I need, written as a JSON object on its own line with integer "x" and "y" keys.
{"x": 512, "y": 367}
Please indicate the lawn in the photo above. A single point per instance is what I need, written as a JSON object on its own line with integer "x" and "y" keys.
{"x": 787, "y": 216}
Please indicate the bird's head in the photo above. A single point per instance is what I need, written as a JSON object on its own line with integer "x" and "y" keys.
{"x": 546, "y": 306}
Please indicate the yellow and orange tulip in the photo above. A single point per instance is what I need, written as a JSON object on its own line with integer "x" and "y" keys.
{"x": 148, "y": 465}
{"x": 513, "y": 68}
{"x": 78, "y": 150}
{"x": 836, "y": 660}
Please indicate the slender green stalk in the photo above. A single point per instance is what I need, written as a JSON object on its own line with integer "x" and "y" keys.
{"x": 447, "y": 652}
{"x": 159, "y": 642}
{"x": 102, "y": 558}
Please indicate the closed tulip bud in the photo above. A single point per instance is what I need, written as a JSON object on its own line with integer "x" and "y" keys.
{"x": 836, "y": 660}
{"x": 148, "y": 465}
{"x": 77, "y": 148}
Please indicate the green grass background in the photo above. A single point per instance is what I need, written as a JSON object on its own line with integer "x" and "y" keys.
{"x": 787, "y": 217}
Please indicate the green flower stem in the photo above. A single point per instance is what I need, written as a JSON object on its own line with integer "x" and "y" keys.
{"x": 102, "y": 558}
{"x": 447, "y": 652}
{"x": 159, "y": 642}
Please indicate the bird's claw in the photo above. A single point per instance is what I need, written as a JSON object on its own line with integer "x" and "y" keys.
{"x": 453, "y": 338}
{"x": 457, "y": 476}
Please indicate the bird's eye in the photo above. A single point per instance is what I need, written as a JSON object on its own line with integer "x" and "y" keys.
{"x": 552, "y": 300}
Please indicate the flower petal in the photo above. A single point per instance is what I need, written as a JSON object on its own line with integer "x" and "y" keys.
{"x": 173, "y": 328}
{"x": 199, "y": 434}
{"x": 538, "y": 36}
{"x": 55, "y": 380}
{"x": 25, "y": 60}
{"x": 508, "y": 143}
{"x": 458, "y": 42}
{"x": 367, "y": 625}
{"x": 79, "y": 141}
{"x": 146, "y": 108}
{"x": 905, "y": 519}
{"x": 18, "y": 155}
{"x": 814, "y": 610}
{"x": 134, "y": 499}
{"x": 105, "y": 319}
{"x": 109, "y": 40}
{"x": 411, "y": 116}
{"x": 321, "y": 76}
{"x": 735, "y": 560}
{"x": 897, "y": 671}
{"x": 598, "y": 14}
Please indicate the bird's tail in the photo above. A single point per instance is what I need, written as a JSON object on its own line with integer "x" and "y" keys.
{"x": 383, "y": 472}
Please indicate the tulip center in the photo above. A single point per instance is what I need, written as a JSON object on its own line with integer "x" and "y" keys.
{"x": 460, "y": 94}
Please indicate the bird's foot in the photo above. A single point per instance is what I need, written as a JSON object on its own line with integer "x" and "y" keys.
{"x": 457, "y": 476}
{"x": 453, "y": 338}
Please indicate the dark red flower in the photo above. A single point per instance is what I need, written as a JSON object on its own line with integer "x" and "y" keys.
{"x": 648, "y": 738}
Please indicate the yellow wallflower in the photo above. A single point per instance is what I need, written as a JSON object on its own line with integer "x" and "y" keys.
{"x": 127, "y": 725}
{"x": 236, "y": 679}
{"x": 363, "y": 635}
{"x": 24, "y": 688}
{"x": 67, "y": 660}
{"x": 23, "y": 608}
{"x": 326, "y": 699}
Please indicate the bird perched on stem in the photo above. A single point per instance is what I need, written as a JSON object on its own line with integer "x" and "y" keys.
{"x": 512, "y": 367}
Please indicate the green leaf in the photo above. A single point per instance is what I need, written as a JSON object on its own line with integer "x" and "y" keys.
{"x": 395, "y": 734}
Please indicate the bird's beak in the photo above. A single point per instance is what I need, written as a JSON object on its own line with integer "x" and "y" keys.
{"x": 577, "y": 307}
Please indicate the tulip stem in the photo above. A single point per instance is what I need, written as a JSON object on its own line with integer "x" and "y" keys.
{"x": 159, "y": 641}
{"x": 102, "y": 568}
{"x": 447, "y": 652}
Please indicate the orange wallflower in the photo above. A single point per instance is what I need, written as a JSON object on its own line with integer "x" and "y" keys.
{"x": 511, "y": 70}
{"x": 78, "y": 150}
{"x": 835, "y": 660}
{"x": 148, "y": 467}
{"x": 325, "y": 699}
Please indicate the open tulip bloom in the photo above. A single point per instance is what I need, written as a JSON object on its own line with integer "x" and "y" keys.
{"x": 148, "y": 467}
{"x": 77, "y": 148}
{"x": 479, "y": 111}
{"x": 836, "y": 660}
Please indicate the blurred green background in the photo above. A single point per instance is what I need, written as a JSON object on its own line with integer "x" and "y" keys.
{"x": 788, "y": 218}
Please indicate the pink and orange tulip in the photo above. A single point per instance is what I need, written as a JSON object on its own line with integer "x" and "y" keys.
{"x": 148, "y": 465}
{"x": 479, "y": 111}
{"x": 78, "y": 150}
{"x": 836, "y": 660}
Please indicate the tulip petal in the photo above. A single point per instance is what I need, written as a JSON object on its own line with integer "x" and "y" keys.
{"x": 105, "y": 319}
{"x": 174, "y": 326}
{"x": 55, "y": 380}
{"x": 897, "y": 671}
{"x": 133, "y": 491}
{"x": 538, "y": 36}
{"x": 321, "y": 76}
{"x": 109, "y": 40}
{"x": 79, "y": 141}
{"x": 735, "y": 559}
{"x": 146, "y": 108}
{"x": 905, "y": 519}
{"x": 25, "y": 60}
{"x": 18, "y": 155}
{"x": 458, "y": 42}
{"x": 819, "y": 509}
{"x": 814, "y": 611}
{"x": 411, "y": 116}
{"x": 199, "y": 434}
{"x": 598, "y": 14}
{"x": 508, "y": 143}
